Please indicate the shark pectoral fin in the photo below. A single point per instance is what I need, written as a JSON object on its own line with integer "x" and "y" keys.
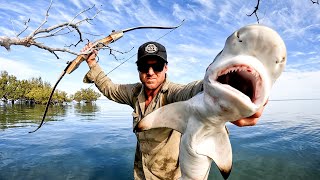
{"x": 174, "y": 116}
{"x": 218, "y": 148}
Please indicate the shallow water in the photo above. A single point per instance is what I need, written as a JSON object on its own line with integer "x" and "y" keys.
{"x": 97, "y": 142}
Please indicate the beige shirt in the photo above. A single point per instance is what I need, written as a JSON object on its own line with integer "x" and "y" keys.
{"x": 157, "y": 150}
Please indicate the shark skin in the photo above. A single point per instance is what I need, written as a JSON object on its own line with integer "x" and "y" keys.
{"x": 236, "y": 85}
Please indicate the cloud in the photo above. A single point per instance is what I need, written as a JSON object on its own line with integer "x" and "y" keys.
{"x": 206, "y": 4}
{"x": 7, "y": 32}
{"x": 299, "y": 53}
{"x": 198, "y": 50}
{"x": 233, "y": 14}
{"x": 296, "y": 19}
{"x": 194, "y": 10}
{"x": 139, "y": 11}
{"x": 77, "y": 3}
{"x": 19, "y": 69}
{"x": 16, "y": 7}
{"x": 190, "y": 48}
{"x": 297, "y": 85}
{"x": 303, "y": 61}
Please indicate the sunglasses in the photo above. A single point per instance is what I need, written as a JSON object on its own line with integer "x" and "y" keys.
{"x": 144, "y": 68}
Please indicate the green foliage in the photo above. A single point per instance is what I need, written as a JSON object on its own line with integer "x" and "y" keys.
{"x": 77, "y": 96}
{"x": 38, "y": 91}
{"x": 39, "y": 95}
{"x": 33, "y": 89}
{"x": 86, "y": 95}
{"x": 3, "y": 83}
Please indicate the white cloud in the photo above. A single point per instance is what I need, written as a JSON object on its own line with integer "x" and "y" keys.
{"x": 207, "y": 4}
{"x": 119, "y": 4}
{"x": 190, "y": 48}
{"x": 297, "y": 85}
{"x": 16, "y": 7}
{"x": 225, "y": 10}
{"x": 19, "y": 69}
{"x": 194, "y": 10}
{"x": 77, "y": 3}
{"x": 297, "y": 20}
{"x": 299, "y": 53}
{"x": 233, "y": 14}
{"x": 177, "y": 11}
{"x": 7, "y": 32}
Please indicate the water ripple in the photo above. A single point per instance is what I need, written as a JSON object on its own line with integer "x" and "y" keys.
{"x": 97, "y": 142}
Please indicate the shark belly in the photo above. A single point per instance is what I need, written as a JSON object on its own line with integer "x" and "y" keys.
{"x": 193, "y": 166}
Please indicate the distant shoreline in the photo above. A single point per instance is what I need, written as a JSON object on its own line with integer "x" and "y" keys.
{"x": 315, "y": 99}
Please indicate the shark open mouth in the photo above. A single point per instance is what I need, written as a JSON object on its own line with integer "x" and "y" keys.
{"x": 243, "y": 78}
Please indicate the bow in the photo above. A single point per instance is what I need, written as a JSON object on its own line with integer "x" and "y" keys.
{"x": 73, "y": 65}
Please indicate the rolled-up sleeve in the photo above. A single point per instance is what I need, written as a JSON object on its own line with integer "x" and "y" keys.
{"x": 120, "y": 93}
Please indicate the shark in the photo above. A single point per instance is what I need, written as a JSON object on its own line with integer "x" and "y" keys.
{"x": 236, "y": 85}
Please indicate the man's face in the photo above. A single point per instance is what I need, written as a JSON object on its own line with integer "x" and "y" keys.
{"x": 151, "y": 73}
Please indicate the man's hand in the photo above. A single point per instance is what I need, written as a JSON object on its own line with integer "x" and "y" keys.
{"x": 91, "y": 60}
{"x": 252, "y": 120}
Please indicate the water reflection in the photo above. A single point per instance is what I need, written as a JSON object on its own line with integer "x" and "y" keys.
{"x": 86, "y": 108}
{"x": 95, "y": 141}
{"x": 20, "y": 115}
{"x": 71, "y": 148}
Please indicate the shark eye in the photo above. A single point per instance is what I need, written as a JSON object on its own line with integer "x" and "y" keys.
{"x": 238, "y": 36}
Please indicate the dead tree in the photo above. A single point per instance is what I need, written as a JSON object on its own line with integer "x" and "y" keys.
{"x": 56, "y": 30}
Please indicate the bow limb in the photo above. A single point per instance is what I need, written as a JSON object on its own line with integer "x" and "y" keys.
{"x": 73, "y": 65}
{"x": 49, "y": 99}
{"x": 152, "y": 27}
{"x": 114, "y": 36}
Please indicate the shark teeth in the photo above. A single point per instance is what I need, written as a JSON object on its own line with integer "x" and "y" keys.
{"x": 247, "y": 74}
{"x": 239, "y": 68}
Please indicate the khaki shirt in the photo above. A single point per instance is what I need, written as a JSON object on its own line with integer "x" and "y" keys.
{"x": 157, "y": 150}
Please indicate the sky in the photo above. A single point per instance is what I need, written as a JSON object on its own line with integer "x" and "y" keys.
{"x": 190, "y": 48}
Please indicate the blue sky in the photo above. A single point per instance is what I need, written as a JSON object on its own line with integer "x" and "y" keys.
{"x": 191, "y": 48}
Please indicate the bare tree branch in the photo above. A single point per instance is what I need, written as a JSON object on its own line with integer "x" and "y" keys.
{"x": 26, "y": 23}
{"x": 73, "y": 25}
{"x": 115, "y": 57}
{"x": 52, "y": 31}
{"x": 255, "y": 11}
{"x": 44, "y": 21}
{"x": 54, "y": 50}
{"x": 63, "y": 26}
{"x": 315, "y": 2}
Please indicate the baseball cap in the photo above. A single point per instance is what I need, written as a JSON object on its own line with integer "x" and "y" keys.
{"x": 152, "y": 49}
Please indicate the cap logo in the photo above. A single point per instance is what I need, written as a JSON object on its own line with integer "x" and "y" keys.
{"x": 151, "y": 48}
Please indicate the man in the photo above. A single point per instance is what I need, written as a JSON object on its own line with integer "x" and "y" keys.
{"x": 157, "y": 150}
